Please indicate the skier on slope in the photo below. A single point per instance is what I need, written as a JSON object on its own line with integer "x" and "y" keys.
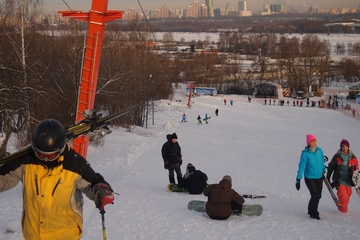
{"x": 206, "y": 118}
{"x": 194, "y": 180}
{"x": 54, "y": 177}
{"x": 199, "y": 119}
{"x": 342, "y": 167}
{"x": 183, "y": 118}
{"x": 222, "y": 200}
{"x": 171, "y": 154}
{"x": 312, "y": 166}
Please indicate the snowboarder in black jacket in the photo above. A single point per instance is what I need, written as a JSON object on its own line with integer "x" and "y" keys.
{"x": 171, "y": 154}
{"x": 194, "y": 180}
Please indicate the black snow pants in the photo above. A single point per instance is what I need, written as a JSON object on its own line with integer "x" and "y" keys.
{"x": 315, "y": 189}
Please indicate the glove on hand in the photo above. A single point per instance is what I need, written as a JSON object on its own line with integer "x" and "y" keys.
{"x": 297, "y": 184}
{"x": 166, "y": 165}
{"x": 180, "y": 161}
{"x": 103, "y": 195}
{"x": 334, "y": 185}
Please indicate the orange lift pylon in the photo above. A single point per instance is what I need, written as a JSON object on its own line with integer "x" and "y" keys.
{"x": 97, "y": 18}
{"x": 190, "y": 94}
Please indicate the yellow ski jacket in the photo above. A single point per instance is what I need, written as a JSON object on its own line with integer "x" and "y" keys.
{"x": 52, "y": 193}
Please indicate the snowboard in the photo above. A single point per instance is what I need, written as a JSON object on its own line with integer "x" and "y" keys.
{"x": 356, "y": 181}
{"x": 333, "y": 195}
{"x": 172, "y": 187}
{"x": 248, "y": 209}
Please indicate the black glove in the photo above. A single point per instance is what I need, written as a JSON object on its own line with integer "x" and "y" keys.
{"x": 180, "y": 161}
{"x": 103, "y": 195}
{"x": 334, "y": 185}
{"x": 166, "y": 165}
{"x": 297, "y": 184}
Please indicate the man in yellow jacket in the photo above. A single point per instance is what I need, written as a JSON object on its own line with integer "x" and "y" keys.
{"x": 54, "y": 177}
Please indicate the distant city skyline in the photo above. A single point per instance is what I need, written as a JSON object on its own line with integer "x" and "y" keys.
{"x": 52, "y": 6}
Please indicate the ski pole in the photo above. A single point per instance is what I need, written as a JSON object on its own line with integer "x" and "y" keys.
{"x": 102, "y": 212}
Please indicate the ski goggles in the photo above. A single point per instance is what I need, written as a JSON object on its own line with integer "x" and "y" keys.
{"x": 48, "y": 156}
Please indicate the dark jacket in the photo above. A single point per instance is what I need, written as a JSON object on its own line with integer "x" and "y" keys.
{"x": 52, "y": 193}
{"x": 194, "y": 180}
{"x": 334, "y": 168}
{"x": 220, "y": 197}
{"x": 171, "y": 153}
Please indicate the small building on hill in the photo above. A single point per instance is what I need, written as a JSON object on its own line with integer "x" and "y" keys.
{"x": 268, "y": 89}
{"x": 203, "y": 91}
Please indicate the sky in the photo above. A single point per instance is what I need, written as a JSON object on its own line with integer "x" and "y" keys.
{"x": 258, "y": 145}
{"x": 52, "y": 6}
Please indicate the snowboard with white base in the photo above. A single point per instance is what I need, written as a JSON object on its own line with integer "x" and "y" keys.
{"x": 356, "y": 181}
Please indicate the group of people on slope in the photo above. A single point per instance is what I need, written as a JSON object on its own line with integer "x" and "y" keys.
{"x": 222, "y": 199}
{"x": 340, "y": 171}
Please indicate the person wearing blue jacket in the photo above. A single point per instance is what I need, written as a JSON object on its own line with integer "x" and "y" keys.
{"x": 312, "y": 166}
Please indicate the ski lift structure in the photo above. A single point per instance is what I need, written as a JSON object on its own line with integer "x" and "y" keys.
{"x": 97, "y": 18}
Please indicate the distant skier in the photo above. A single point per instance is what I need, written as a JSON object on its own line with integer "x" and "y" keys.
{"x": 194, "y": 180}
{"x": 183, "y": 118}
{"x": 224, "y": 101}
{"x": 199, "y": 119}
{"x": 206, "y": 118}
{"x": 231, "y": 102}
{"x": 217, "y": 112}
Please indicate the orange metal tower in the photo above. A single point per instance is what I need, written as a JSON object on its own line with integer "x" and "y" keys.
{"x": 97, "y": 18}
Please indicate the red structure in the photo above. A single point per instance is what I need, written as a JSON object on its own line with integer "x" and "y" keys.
{"x": 97, "y": 19}
{"x": 190, "y": 94}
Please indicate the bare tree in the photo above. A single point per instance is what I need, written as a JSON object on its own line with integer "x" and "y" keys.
{"x": 168, "y": 40}
{"x": 19, "y": 24}
{"x": 315, "y": 56}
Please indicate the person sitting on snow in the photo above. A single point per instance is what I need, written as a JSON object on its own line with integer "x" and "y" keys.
{"x": 194, "y": 180}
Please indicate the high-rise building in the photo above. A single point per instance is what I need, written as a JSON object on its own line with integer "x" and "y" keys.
{"x": 242, "y": 5}
{"x": 210, "y": 7}
{"x": 278, "y": 8}
{"x": 192, "y": 11}
{"x": 243, "y": 9}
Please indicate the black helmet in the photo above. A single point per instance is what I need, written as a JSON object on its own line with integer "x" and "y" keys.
{"x": 49, "y": 136}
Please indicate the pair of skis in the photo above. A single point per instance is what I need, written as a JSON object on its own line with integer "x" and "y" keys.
{"x": 93, "y": 122}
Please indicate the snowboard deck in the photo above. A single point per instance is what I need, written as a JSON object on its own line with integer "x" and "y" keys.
{"x": 333, "y": 195}
{"x": 356, "y": 181}
{"x": 248, "y": 209}
{"x": 172, "y": 187}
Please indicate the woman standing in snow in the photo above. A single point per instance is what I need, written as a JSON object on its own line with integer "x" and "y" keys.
{"x": 342, "y": 167}
{"x": 312, "y": 166}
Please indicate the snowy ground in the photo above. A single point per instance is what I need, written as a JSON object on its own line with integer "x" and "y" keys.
{"x": 259, "y": 146}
